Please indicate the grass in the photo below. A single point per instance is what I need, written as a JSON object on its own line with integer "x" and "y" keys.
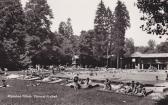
{"x": 163, "y": 101}
{"x": 63, "y": 95}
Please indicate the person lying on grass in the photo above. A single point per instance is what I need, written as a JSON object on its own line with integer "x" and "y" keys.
{"x": 138, "y": 89}
{"x": 87, "y": 83}
{"x": 128, "y": 88}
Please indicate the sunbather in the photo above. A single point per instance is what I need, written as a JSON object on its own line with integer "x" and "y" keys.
{"x": 107, "y": 84}
{"x": 87, "y": 83}
{"x": 4, "y": 84}
{"x": 128, "y": 88}
{"x": 133, "y": 84}
{"x": 136, "y": 88}
{"x": 76, "y": 84}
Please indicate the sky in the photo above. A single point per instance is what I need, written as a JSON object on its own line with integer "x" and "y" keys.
{"x": 82, "y": 14}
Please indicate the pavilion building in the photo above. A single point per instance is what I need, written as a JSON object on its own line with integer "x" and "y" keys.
{"x": 147, "y": 61}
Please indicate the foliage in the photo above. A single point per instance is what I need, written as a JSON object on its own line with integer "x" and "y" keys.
{"x": 101, "y": 30}
{"x": 86, "y": 42}
{"x": 162, "y": 47}
{"x": 66, "y": 28}
{"x": 122, "y": 22}
{"x": 38, "y": 21}
{"x": 155, "y": 16}
{"x": 70, "y": 41}
{"x": 86, "y": 47}
{"x": 152, "y": 44}
{"x": 75, "y": 40}
{"x": 151, "y": 48}
{"x": 129, "y": 47}
{"x": 12, "y": 35}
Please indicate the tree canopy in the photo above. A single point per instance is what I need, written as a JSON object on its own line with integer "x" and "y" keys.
{"x": 26, "y": 37}
{"x": 12, "y": 34}
{"x": 122, "y": 22}
{"x": 155, "y": 16}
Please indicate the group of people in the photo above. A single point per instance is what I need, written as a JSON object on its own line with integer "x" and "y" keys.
{"x": 129, "y": 88}
{"x": 77, "y": 83}
{"x": 136, "y": 88}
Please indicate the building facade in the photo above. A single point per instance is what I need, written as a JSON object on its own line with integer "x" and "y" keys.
{"x": 147, "y": 61}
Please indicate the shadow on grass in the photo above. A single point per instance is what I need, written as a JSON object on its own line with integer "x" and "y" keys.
{"x": 163, "y": 101}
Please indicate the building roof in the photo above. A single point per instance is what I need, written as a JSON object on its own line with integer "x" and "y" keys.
{"x": 153, "y": 55}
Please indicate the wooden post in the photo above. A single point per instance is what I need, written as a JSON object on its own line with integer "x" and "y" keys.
{"x": 142, "y": 66}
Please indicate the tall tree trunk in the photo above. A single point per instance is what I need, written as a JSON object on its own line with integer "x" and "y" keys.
{"x": 118, "y": 61}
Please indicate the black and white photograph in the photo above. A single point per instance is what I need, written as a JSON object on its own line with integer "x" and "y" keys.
{"x": 83, "y": 52}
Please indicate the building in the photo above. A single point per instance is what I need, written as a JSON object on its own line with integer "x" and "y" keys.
{"x": 148, "y": 61}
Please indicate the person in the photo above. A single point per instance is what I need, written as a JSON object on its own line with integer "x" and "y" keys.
{"x": 5, "y": 69}
{"x": 52, "y": 69}
{"x": 157, "y": 78}
{"x": 1, "y": 71}
{"x": 132, "y": 84}
{"x": 139, "y": 87}
{"x": 135, "y": 89}
{"x": 128, "y": 88}
{"x": 4, "y": 84}
{"x": 122, "y": 89}
{"x": 87, "y": 83}
{"x": 82, "y": 81}
{"x": 143, "y": 91}
{"x": 166, "y": 75}
{"x": 76, "y": 84}
{"x": 107, "y": 84}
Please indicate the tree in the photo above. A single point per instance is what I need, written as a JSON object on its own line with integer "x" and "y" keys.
{"x": 86, "y": 47}
{"x": 155, "y": 16}
{"x": 66, "y": 28}
{"x": 122, "y": 22}
{"x": 70, "y": 42}
{"x": 69, "y": 28}
{"x": 38, "y": 21}
{"x": 162, "y": 47}
{"x": 63, "y": 29}
{"x": 129, "y": 47}
{"x": 75, "y": 44}
{"x": 110, "y": 27}
{"x": 86, "y": 42}
{"x": 141, "y": 49}
{"x": 152, "y": 44}
{"x": 151, "y": 47}
{"x": 12, "y": 35}
{"x": 101, "y": 30}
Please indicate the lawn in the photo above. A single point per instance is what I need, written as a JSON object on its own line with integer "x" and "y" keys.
{"x": 55, "y": 94}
